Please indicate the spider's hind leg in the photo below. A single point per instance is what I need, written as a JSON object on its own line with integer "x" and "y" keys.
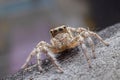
{"x": 98, "y": 37}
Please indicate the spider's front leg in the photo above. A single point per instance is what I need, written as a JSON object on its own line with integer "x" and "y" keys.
{"x": 47, "y": 49}
{"x": 39, "y": 61}
{"x": 54, "y": 61}
{"x": 42, "y": 47}
{"x": 36, "y": 52}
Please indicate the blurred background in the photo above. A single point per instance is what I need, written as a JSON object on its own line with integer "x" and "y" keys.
{"x": 23, "y": 23}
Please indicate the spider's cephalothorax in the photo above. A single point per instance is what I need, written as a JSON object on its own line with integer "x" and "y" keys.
{"x": 62, "y": 39}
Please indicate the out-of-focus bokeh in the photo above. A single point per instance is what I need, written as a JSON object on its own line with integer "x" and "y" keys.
{"x": 23, "y": 23}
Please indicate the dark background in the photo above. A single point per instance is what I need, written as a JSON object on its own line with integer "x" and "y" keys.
{"x": 105, "y": 12}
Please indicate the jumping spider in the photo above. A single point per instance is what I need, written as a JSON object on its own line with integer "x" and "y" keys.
{"x": 63, "y": 38}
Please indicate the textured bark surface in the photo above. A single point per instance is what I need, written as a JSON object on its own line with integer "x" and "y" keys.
{"x": 105, "y": 67}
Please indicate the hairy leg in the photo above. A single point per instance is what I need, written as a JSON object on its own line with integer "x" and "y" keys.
{"x": 91, "y": 43}
{"x": 85, "y": 53}
{"x": 39, "y": 63}
{"x": 29, "y": 58}
{"x": 80, "y": 41}
{"x": 54, "y": 61}
{"x": 27, "y": 61}
{"x": 97, "y": 36}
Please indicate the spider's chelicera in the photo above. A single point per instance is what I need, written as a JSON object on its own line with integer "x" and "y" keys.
{"x": 63, "y": 38}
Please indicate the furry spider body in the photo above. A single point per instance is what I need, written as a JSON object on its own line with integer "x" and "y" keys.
{"x": 63, "y": 38}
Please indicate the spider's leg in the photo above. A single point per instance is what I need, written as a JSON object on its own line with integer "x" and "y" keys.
{"x": 39, "y": 62}
{"x": 91, "y": 43}
{"x": 97, "y": 36}
{"x": 28, "y": 59}
{"x": 80, "y": 39}
{"x": 84, "y": 49}
{"x": 54, "y": 61}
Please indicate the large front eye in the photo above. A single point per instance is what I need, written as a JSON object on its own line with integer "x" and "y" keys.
{"x": 64, "y": 27}
{"x": 60, "y": 29}
{"x": 51, "y": 31}
{"x": 55, "y": 31}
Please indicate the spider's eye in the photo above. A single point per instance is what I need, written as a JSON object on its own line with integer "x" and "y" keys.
{"x": 55, "y": 31}
{"x": 60, "y": 29}
{"x": 64, "y": 27}
{"x": 51, "y": 31}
